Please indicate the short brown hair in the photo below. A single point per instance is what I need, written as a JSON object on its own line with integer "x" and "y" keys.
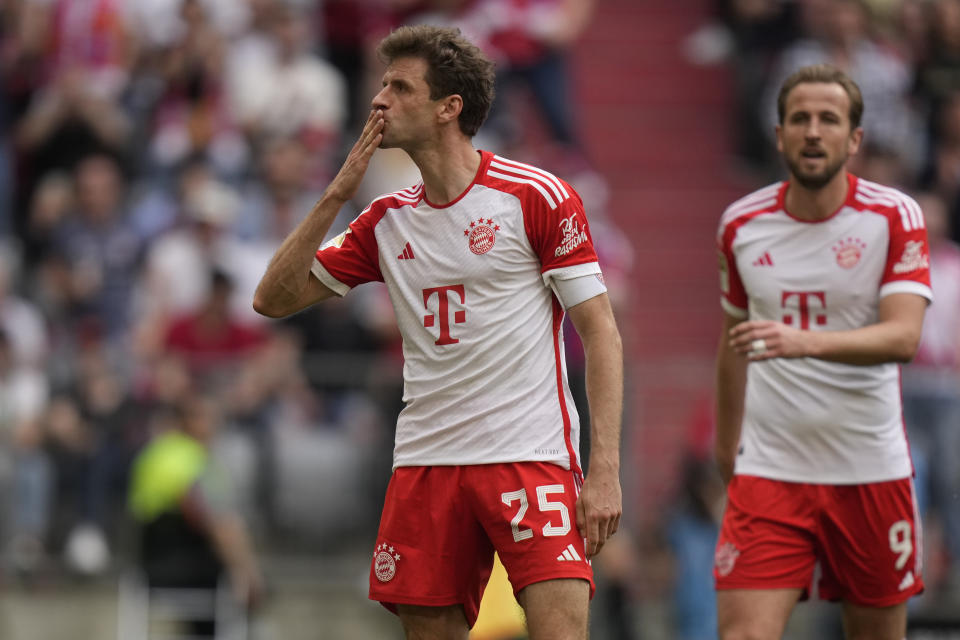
{"x": 454, "y": 66}
{"x": 827, "y": 74}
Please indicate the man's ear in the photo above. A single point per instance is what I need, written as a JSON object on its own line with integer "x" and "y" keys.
{"x": 856, "y": 138}
{"x": 449, "y": 108}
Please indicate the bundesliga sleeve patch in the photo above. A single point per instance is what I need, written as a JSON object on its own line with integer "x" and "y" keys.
{"x": 336, "y": 241}
{"x": 724, "y": 272}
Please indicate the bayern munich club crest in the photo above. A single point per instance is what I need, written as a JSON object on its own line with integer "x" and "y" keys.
{"x": 481, "y": 235}
{"x": 725, "y": 558}
{"x": 848, "y": 252}
{"x": 385, "y": 560}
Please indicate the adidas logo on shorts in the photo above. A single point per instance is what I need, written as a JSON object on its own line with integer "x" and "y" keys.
{"x": 907, "y": 581}
{"x": 569, "y": 554}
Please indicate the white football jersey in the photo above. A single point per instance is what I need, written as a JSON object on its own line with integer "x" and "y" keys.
{"x": 809, "y": 420}
{"x": 484, "y": 374}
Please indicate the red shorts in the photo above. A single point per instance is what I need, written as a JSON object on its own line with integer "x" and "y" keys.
{"x": 441, "y": 525}
{"x": 866, "y": 537}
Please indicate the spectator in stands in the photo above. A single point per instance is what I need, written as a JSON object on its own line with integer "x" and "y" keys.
{"x": 749, "y": 34}
{"x": 52, "y": 202}
{"x": 116, "y": 426}
{"x": 192, "y": 117}
{"x": 290, "y": 91}
{"x": 211, "y": 339}
{"x": 350, "y": 30}
{"x": 535, "y": 48}
{"x": 67, "y": 439}
{"x": 191, "y": 534}
{"x": 692, "y": 528}
{"x": 26, "y": 475}
{"x": 530, "y": 41}
{"x": 175, "y": 272}
{"x": 938, "y": 68}
{"x": 100, "y": 249}
{"x": 91, "y": 34}
{"x": 943, "y": 173}
{"x": 271, "y": 394}
{"x": 275, "y": 200}
{"x": 838, "y": 32}
{"x": 20, "y": 319}
{"x": 66, "y": 122}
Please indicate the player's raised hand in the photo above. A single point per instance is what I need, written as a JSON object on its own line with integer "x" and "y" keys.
{"x": 344, "y": 186}
{"x": 599, "y": 508}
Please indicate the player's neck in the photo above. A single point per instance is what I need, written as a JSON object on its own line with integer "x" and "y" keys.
{"x": 816, "y": 204}
{"x": 447, "y": 170}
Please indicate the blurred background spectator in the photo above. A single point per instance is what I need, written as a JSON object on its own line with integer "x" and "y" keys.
{"x": 153, "y": 153}
{"x": 189, "y": 533}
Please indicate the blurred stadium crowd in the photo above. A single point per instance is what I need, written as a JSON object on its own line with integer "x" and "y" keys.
{"x": 153, "y": 154}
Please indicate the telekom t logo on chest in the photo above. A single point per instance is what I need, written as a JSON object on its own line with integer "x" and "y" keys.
{"x": 804, "y": 306}
{"x": 443, "y": 310}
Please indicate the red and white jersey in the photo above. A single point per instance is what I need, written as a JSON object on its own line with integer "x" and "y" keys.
{"x": 470, "y": 281}
{"x": 809, "y": 420}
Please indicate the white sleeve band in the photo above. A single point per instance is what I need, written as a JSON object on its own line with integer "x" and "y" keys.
{"x": 328, "y": 280}
{"x": 573, "y": 291}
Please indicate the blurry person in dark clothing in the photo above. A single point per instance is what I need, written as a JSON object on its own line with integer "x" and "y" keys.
{"x": 191, "y": 534}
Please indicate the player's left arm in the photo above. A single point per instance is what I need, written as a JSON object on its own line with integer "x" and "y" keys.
{"x": 893, "y": 338}
{"x": 600, "y": 504}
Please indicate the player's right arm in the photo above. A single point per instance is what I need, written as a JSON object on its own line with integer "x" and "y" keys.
{"x": 731, "y": 388}
{"x": 288, "y": 285}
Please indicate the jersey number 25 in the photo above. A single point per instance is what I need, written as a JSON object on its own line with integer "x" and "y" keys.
{"x": 544, "y": 504}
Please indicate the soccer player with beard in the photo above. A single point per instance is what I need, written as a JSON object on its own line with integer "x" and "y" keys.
{"x": 481, "y": 260}
{"x": 825, "y": 281}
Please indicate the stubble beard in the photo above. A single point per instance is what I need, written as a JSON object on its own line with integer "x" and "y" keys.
{"x": 815, "y": 181}
{"x": 386, "y": 142}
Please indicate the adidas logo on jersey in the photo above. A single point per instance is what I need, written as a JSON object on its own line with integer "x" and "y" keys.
{"x": 569, "y": 554}
{"x": 407, "y": 253}
{"x": 764, "y": 261}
